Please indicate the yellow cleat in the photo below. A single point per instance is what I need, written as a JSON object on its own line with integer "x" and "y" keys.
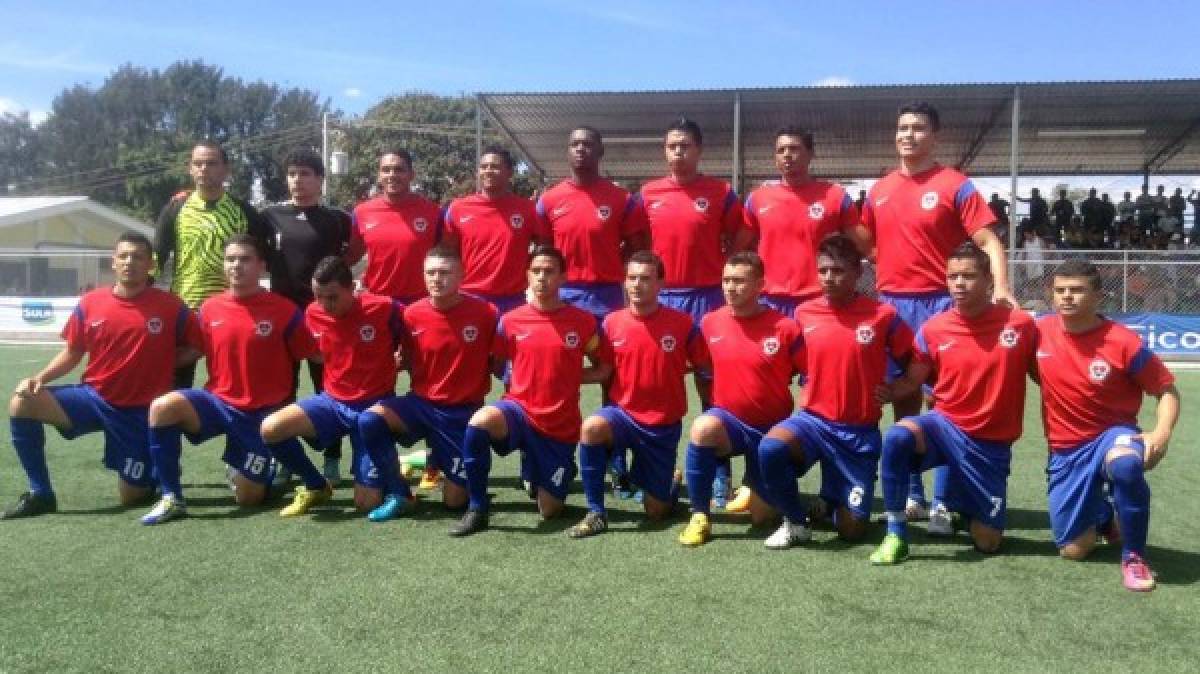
{"x": 307, "y": 499}
{"x": 430, "y": 479}
{"x": 697, "y": 532}
{"x": 741, "y": 500}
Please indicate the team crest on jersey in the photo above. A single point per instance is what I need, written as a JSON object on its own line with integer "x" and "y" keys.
{"x": 367, "y": 333}
{"x": 1008, "y": 338}
{"x": 571, "y": 339}
{"x": 929, "y": 200}
{"x": 263, "y": 328}
{"x": 470, "y": 333}
{"x": 701, "y": 204}
{"x": 516, "y": 221}
{"x": 816, "y": 211}
{"x": 668, "y": 343}
{"x": 1098, "y": 370}
{"x": 154, "y": 326}
{"x": 604, "y": 213}
{"x": 864, "y": 334}
{"x": 771, "y": 346}
{"x": 420, "y": 224}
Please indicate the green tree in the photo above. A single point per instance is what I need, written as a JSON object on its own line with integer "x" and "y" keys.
{"x": 20, "y": 151}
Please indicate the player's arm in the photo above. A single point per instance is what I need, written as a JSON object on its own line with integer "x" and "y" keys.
{"x": 601, "y": 366}
{"x": 986, "y": 239}
{"x": 916, "y": 374}
{"x": 62, "y": 363}
{"x": 1166, "y": 415}
{"x": 164, "y": 234}
{"x": 356, "y": 248}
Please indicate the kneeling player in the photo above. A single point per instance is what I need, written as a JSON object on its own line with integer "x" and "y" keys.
{"x": 653, "y": 349}
{"x": 252, "y": 340}
{"x": 755, "y": 351}
{"x": 848, "y": 339}
{"x": 980, "y": 353}
{"x": 546, "y": 341}
{"x": 358, "y": 337}
{"x": 447, "y": 343}
{"x": 133, "y": 335}
{"x": 1093, "y": 373}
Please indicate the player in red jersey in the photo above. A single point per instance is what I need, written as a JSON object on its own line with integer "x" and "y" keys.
{"x": 755, "y": 351}
{"x": 358, "y": 337}
{"x": 653, "y": 348}
{"x": 788, "y": 219}
{"x": 546, "y": 341}
{"x": 1094, "y": 373}
{"x": 447, "y": 347}
{"x": 915, "y": 217}
{"x": 494, "y": 230}
{"x": 133, "y": 335}
{"x": 252, "y": 340}
{"x": 848, "y": 340}
{"x": 979, "y": 353}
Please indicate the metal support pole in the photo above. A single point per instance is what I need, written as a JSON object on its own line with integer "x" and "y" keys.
{"x": 735, "y": 176}
{"x": 478, "y": 139}
{"x": 1012, "y": 173}
{"x": 1124, "y": 281}
{"x": 325, "y": 156}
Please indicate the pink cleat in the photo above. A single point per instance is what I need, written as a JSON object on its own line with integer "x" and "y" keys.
{"x": 1136, "y": 574}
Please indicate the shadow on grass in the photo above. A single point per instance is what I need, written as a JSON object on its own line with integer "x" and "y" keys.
{"x": 1171, "y": 566}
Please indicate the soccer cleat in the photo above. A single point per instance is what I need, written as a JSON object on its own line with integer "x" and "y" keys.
{"x": 892, "y": 550}
{"x": 941, "y": 523}
{"x": 741, "y": 500}
{"x": 621, "y": 485}
{"x": 697, "y": 532}
{"x": 915, "y": 510}
{"x": 431, "y": 478}
{"x": 1136, "y": 574}
{"x": 306, "y": 499}
{"x": 30, "y": 504}
{"x": 787, "y": 535}
{"x": 720, "y": 492}
{"x": 392, "y": 507}
{"x": 592, "y": 523}
{"x": 168, "y": 508}
{"x": 473, "y": 521}
{"x": 332, "y": 470}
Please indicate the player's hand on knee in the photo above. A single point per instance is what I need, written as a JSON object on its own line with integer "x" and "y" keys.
{"x": 1155, "y": 443}
{"x": 27, "y": 388}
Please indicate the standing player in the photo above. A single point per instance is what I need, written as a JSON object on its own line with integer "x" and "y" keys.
{"x": 979, "y": 353}
{"x": 358, "y": 337}
{"x": 252, "y": 338}
{"x": 133, "y": 336}
{"x": 1093, "y": 374}
{"x": 192, "y": 229}
{"x": 653, "y": 349}
{"x": 848, "y": 339}
{"x": 755, "y": 350}
{"x": 916, "y": 216}
{"x": 447, "y": 344}
{"x": 493, "y": 230}
{"x": 546, "y": 341}
{"x": 786, "y": 220}
{"x": 304, "y": 232}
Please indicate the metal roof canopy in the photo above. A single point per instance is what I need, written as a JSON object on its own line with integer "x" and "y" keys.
{"x": 1064, "y": 128}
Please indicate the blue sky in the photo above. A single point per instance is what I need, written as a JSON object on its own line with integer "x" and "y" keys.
{"x": 355, "y": 53}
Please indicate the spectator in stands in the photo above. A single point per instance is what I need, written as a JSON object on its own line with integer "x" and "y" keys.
{"x": 1074, "y": 237}
{"x": 1092, "y": 211}
{"x": 1126, "y": 210}
{"x": 1108, "y": 218}
{"x": 1063, "y": 211}
{"x": 999, "y": 209}
{"x": 1038, "y": 209}
{"x": 1146, "y": 217}
{"x": 1194, "y": 200}
{"x": 1177, "y": 206}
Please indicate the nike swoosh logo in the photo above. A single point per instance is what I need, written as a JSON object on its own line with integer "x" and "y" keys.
{"x": 655, "y": 204}
{"x": 466, "y": 218}
{"x": 764, "y": 209}
{"x": 371, "y": 225}
{"x": 1043, "y": 354}
{"x": 714, "y": 340}
{"x": 561, "y": 210}
{"x": 880, "y": 202}
{"x": 418, "y": 332}
{"x": 618, "y": 342}
{"x": 214, "y": 324}
{"x": 947, "y": 345}
{"x": 521, "y": 336}
{"x": 809, "y": 329}
{"x": 96, "y": 324}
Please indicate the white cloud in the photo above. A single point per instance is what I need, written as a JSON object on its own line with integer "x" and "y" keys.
{"x": 11, "y": 106}
{"x": 833, "y": 81}
{"x": 352, "y": 92}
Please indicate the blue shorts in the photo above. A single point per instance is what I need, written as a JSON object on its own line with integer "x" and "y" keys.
{"x": 333, "y": 420}
{"x": 504, "y": 303}
{"x": 849, "y": 457}
{"x": 1075, "y": 483}
{"x": 914, "y": 309}
{"x": 743, "y": 440}
{"x": 550, "y": 463}
{"x": 598, "y": 299}
{"x": 126, "y": 431}
{"x": 244, "y": 447}
{"x": 694, "y": 302}
{"x": 655, "y": 450}
{"x": 785, "y": 304}
{"x": 441, "y": 426}
{"x": 977, "y": 481}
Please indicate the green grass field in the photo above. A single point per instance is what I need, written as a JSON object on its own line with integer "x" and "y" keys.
{"x": 89, "y": 589}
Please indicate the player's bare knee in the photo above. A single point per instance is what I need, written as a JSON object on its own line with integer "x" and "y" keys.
{"x": 1079, "y": 549}
{"x": 163, "y": 410}
{"x": 18, "y": 407}
{"x": 986, "y": 539}
{"x": 596, "y": 431}
{"x": 490, "y": 419}
{"x": 548, "y": 506}
{"x": 249, "y": 493}
{"x": 706, "y": 431}
{"x": 760, "y": 512}
{"x": 656, "y": 510}
{"x": 849, "y": 527}
{"x": 131, "y": 495}
{"x": 453, "y": 497}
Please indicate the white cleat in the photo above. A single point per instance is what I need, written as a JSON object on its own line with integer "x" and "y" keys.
{"x": 940, "y": 521}
{"x": 914, "y": 510}
{"x": 788, "y": 535}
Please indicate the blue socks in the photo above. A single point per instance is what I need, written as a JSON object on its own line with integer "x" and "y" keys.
{"x": 1132, "y": 496}
{"x": 592, "y": 462}
{"x": 899, "y": 445}
{"x": 779, "y": 476}
{"x": 477, "y": 461}
{"x": 291, "y": 454}
{"x": 29, "y": 439}
{"x": 377, "y": 440}
{"x": 700, "y": 465}
{"x": 166, "y": 446}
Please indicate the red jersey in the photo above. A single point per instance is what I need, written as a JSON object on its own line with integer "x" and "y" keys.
{"x": 130, "y": 343}
{"x": 396, "y": 238}
{"x": 753, "y": 360}
{"x": 1094, "y": 380}
{"x": 847, "y": 350}
{"x": 494, "y": 237}
{"x": 251, "y": 345}
{"x": 980, "y": 365}
{"x": 687, "y": 223}
{"x": 790, "y": 222}
{"x": 588, "y": 223}
{"x": 358, "y": 347}
{"x": 917, "y": 222}
{"x": 651, "y": 355}
{"x": 448, "y": 351}
{"x": 546, "y": 350}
